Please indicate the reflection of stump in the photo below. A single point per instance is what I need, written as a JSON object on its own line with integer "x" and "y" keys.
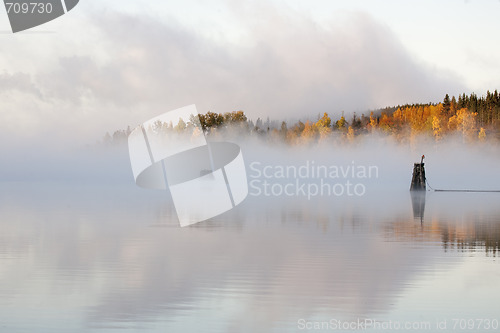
{"x": 418, "y": 204}
{"x": 418, "y": 179}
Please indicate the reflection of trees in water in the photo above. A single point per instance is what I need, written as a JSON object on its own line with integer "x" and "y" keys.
{"x": 472, "y": 236}
{"x": 467, "y": 235}
{"x": 326, "y": 216}
{"x": 466, "y": 232}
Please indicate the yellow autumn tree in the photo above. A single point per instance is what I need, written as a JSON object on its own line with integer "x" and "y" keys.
{"x": 469, "y": 129}
{"x": 310, "y": 132}
{"x": 464, "y": 122}
{"x": 341, "y": 124}
{"x": 386, "y": 123}
{"x": 373, "y": 122}
{"x": 482, "y": 135}
{"x": 436, "y": 128}
{"x": 323, "y": 126}
{"x": 453, "y": 123}
{"x": 324, "y": 121}
{"x": 436, "y": 121}
{"x": 350, "y": 134}
{"x": 398, "y": 116}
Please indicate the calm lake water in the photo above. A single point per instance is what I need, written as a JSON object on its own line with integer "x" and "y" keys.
{"x": 77, "y": 257}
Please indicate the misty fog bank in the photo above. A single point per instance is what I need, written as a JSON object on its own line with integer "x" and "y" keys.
{"x": 451, "y": 164}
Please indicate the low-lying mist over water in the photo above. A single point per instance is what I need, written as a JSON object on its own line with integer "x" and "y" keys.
{"x": 377, "y": 161}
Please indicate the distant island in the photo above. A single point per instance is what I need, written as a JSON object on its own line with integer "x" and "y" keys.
{"x": 473, "y": 118}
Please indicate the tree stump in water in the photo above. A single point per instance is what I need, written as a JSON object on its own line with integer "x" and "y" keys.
{"x": 418, "y": 179}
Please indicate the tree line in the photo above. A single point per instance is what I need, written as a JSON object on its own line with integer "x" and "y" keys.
{"x": 471, "y": 117}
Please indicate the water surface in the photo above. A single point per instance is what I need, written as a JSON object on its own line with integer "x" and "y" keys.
{"x": 103, "y": 258}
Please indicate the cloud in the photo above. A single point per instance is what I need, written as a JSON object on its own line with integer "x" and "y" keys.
{"x": 18, "y": 82}
{"x": 286, "y": 66}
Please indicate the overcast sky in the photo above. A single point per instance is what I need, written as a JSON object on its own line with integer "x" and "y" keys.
{"x": 108, "y": 64}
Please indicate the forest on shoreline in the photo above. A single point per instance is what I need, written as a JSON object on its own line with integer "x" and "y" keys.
{"x": 473, "y": 118}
